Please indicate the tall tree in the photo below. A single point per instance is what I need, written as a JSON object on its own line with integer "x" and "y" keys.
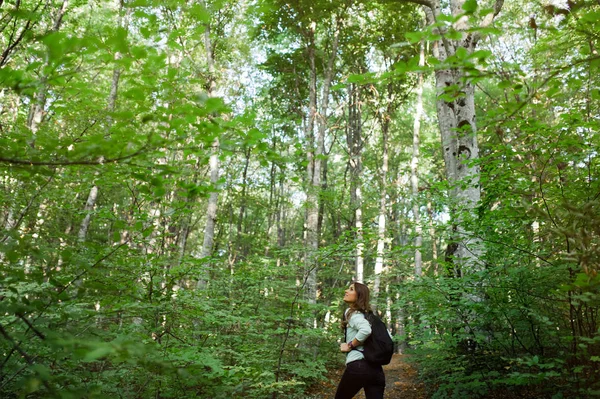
{"x": 354, "y": 139}
{"x": 456, "y": 116}
{"x": 213, "y": 199}
{"x": 414, "y": 176}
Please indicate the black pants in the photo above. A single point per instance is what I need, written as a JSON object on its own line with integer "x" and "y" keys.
{"x": 361, "y": 374}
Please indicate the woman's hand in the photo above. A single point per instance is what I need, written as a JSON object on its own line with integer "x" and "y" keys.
{"x": 344, "y": 347}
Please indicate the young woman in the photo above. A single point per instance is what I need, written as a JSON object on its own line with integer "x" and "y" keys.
{"x": 359, "y": 373}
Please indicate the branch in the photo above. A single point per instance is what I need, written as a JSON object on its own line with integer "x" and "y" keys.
{"x": 16, "y": 346}
{"x": 100, "y": 161}
{"x": 38, "y": 192}
{"x": 487, "y": 21}
{"x": 31, "y": 327}
{"x": 542, "y": 84}
{"x": 28, "y": 26}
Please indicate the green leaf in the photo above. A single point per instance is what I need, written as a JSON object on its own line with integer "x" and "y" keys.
{"x": 470, "y": 6}
{"x": 593, "y": 16}
{"x": 414, "y": 37}
{"x": 95, "y": 354}
{"x": 200, "y": 13}
{"x": 481, "y": 55}
{"x": 462, "y": 53}
{"x": 454, "y": 35}
{"x": 42, "y": 371}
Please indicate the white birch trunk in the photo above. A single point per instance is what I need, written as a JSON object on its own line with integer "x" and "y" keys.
{"x": 89, "y": 207}
{"x": 354, "y": 141}
{"x": 311, "y": 239}
{"x": 434, "y": 250}
{"x": 211, "y": 216}
{"x": 414, "y": 177}
{"x": 360, "y": 272}
{"x": 212, "y": 206}
{"x": 456, "y": 118}
{"x": 382, "y": 217}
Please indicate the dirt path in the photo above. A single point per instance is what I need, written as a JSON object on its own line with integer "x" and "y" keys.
{"x": 401, "y": 382}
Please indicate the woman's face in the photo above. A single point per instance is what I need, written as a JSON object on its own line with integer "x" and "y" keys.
{"x": 350, "y": 295}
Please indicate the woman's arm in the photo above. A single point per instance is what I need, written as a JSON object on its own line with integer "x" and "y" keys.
{"x": 348, "y": 346}
{"x": 360, "y": 323}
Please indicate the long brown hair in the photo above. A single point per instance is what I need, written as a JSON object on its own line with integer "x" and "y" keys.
{"x": 362, "y": 302}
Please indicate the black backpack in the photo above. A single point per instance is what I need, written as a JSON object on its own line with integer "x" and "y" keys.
{"x": 379, "y": 347}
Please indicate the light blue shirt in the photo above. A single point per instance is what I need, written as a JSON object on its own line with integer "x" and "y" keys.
{"x": 358, "y": 328}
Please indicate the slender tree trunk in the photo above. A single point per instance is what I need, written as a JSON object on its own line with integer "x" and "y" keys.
{"x": 281, "y": 215}
{"x": 89, "y": 206}
{"x": 382, "y": 212}
{"x": 355, "y": 145}
{"x": 315, "y": 161}
{"x": 211, "y": 211}
{"x": 325, "y": 165}
{"x": 240, "y": 220}
{"x": 211, "y": 215}
{"x": 312, "y": 241}
{"x": 434, "y": 250}
{"x": 111, "y": 104}
{"x": 36, "y": 112}
{"x": 273, "y": 198}
{"x": 414, "y": 177}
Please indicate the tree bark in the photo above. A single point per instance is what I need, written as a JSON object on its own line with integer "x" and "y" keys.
{"x": 456, "y": 118}
{"x": 434, "y": 249}
{"x": 384, "y": 121}
{"x": 212, "y": 206}
{"x": 242, "y": 212}
{"x": 89, "y": 206}
{"x": 314, "y": 171}
{"x": 355, "y": 145}
{"x": 414, "y": 177}
{"x": 313, "y": 184}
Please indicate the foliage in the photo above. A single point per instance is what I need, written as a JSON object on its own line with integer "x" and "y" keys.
{"x": 98, "y": 295}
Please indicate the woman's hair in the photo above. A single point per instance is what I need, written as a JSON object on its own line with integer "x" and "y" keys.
{"x": 362, "y": 302}
{"x": 362, "y": 298}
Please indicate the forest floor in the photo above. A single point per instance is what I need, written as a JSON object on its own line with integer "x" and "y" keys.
{"x": 401, "y": 382}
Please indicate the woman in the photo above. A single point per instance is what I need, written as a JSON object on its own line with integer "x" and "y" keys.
{"x": 359, "y": 373}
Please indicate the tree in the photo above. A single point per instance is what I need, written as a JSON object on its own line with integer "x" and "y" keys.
{"x": 456, "y": 116}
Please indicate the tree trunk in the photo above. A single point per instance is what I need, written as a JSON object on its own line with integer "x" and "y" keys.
{"x": 384, "y": 121}
{"x": 89, "y": 206}
{"x": 211, "y": 211}
{"x": 456, "y": 118}
{"x": 355, "y": 145}
{"x": 434, "y": 250}
{"x": 312, "y": 241}
{"x": 240, "y": 220}
{"x": 414, "y": 177}
{"x": 211, "y": 215}
{"x": 280, "y": 215}
{"x": 315, "y": 160}
{"x": 36, "y": 112}
{"x": 111, "y": 104}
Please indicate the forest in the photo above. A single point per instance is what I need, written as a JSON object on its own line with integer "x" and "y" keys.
{"x": 187, "y": 187}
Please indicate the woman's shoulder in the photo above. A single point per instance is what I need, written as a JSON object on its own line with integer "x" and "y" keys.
{"x": 355, "y": 315}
